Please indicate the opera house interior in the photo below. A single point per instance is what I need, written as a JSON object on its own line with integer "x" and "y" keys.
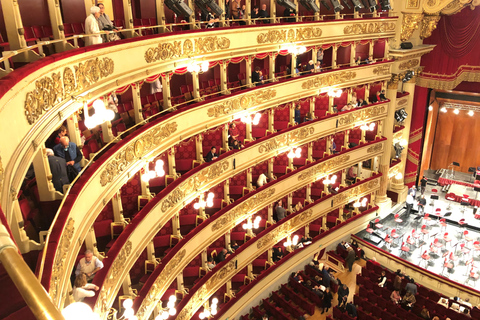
{"x": 239, "y": 159}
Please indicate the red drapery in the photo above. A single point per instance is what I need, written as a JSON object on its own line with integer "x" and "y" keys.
{"x": 456, "y": 57}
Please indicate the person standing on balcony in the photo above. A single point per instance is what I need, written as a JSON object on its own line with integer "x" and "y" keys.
{"x": 92, "y": 27}
{"x": 236, "y": 7}
{"x": 227, "y": 10}
{"x": 320, "y": 56}
{"x": 72, "y": 155}
{"x": 88, "y": 265}
{"x": 280, "y": 211}
{"x": 58, "y": 168}
{"x": 105, "y": 23}
{"x": 257, "y": 76}
{"x": 263, "y": 13}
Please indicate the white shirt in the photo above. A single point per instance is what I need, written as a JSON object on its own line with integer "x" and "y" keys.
{"x": 262, "y": 179}
{"x": 80, "y": 293}
{"x": 91, "y": 26}
{"x": 409, "y": 199}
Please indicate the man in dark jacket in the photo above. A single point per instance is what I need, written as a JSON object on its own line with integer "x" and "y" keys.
{"x": 71, "y": 154}
{"x": 212, "y": 155}
{"x": 58, "y": 168}
{"x": 343, "y": 293}
{"x": 350, "y": 258}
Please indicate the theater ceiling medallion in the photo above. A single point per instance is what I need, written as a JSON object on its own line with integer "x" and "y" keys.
{"x": 358, "y": 191}
{"x": 136, "y": 150}
{"x": 194, "y": 183}
{"x": 284, "y": 229}
{"x": 241, "y": 102}
{"x": 324, "y": 168}
{"x": 286, "y": 139}
{"x": 243, "y": 210}
{"x": 410, "y": 24}
{"x": 185, "y": 48}
{"x": 290, "y": 35}
{"x": 64, "y": 246}
{"x": 362, "y": 115}
{"x": 53, "y": 89}
{"x": 160, "y": 285}
{"x": 369, "y": 27}
{"x": 329, "y": 79}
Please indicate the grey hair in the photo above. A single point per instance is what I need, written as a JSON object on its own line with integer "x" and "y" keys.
{"x": 94, "y": 9}
{"x": 88, "y": 251}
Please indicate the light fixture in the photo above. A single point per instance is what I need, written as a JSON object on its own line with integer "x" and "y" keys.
{"x": 369, "y": 127}
{"x": 101, "y": 114}
{"x": 246, "y": 118}
{"x": 295, "y": 154}
{"x": 386, "y": 5}
{"x": 470, "y": 113}
{"x": 158, "y": 172}
{"x": 456, "y": 111}
{"x": 398, "y": 176}
{"x": 289, "y": 243}
{"x": 208, "y": 312}
{"x": 79, "y": 311}
{"x": 310, "y": 5}
{"x": 335, "y": 93}
{"x": 372, "y": 5}
{"x": 254, "y": 225}
{"x": 430, "y": 108}
{"x": 337, "y": 7}
{"x": 198, "y": 66}
{"x": 169, "y": 310}
{"x": 357, "y": 4}
{"x": 331, "y": 180}
{"x": 398, "y": 150}
{"x": 409, "y": 75}
{"x": 358, "y": 203}
{"x": 444, "y": 110}
{"x": 202, "y": 203}
{"x": 297, "y": 49}
{"x": 403, "y": 142}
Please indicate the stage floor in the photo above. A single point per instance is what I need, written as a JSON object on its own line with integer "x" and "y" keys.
{"x": 460, "y": 271}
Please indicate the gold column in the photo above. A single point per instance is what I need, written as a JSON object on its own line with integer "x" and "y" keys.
{"x": 310, "y": 151}
{"x": 27, "y": 284}
{"x": 334, "y": 56}
{"x": 57, "y": 25}
{"x": 248, "y": 71}
{"x": 226, "y": 191}
{"x": 291, "y": 114}
{"x": 370, "y": 48}
{"x": 167, "y": 100}
{"x": 223, "y": 78}
{"x": 353, "y": 51}
{"x": 383, "y": 201}
{"x": 293, "y": 65}
{"x": 191, "y": 18}
{"x": 312, "y": 106}
{"x": 137, "y": 103}
{"x": 317, "y": 14}
{"x": 171, "y": 162}
{"x": 249, "y": 179}
{"x": 128, "y": 17}
{"x": 271, "y": 117}
{"x": 271, "y": 66}
{"x": 273, "y": 11}
{"x": 73, "y": 130}
{"x": 196, "y": 86}
{"x": 222, "y": 18}
{"x": 248, "y": 12}
{"x": 107, "y": 135}
{"x": 367, "y": 93}
{"x": 144, "y": 185}
{"x": 160, "y": 9}
{"x": 117, "y": 207}
{"x": 296, "y": 10}
{"x": 387, "y": 48}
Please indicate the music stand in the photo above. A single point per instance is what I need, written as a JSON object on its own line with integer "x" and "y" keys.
{"x": 452, "y": 171}
{"x": 472, "y": 170}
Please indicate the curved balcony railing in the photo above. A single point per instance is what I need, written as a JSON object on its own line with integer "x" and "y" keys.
{"x": 53, "y": 88}
{"x": 233, "y": 308}
{"x": 111, "y": 171}
{"x": 211, "y": 282}
{"x": 153, "y": 290}
{"x": 167, "y": 203}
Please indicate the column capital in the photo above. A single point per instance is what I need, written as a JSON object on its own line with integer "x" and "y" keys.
{"x": 393, "y": 82}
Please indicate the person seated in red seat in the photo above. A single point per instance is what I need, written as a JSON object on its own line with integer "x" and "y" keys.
{"x": 361, "y": 103}
{"x": 395, "y": 296}
{"x": 376, "y": 98}
{"x": 88, "y": 265}
{"x": 382, "y": 96}
{"x": 408, "y": 301}
{"x": 343, "y": 293}
{"x": 82, "y": 289}
{"x": 72, "y": 155}
{"x": 277, "y": 254}
{"x": 382, "y": 280}
{"x": 212, "y": 155}
{"x": 224, "y": 254}
{"x": 58, "y": 168}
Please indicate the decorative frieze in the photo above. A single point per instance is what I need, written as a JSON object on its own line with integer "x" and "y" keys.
{"x": 324, "y": 168}
{"x": 347, "y": 195}
{"x": 409, "y": 64}
{"x": 241, "y": 102}
{"x": 361, "y": 115}
{"x": 369, "y": 27}
{"x": 286, "y": 139}
{"x": 290, "y": 35}
{"x": 329, "y": 79}
{"x": 410, "y": 24}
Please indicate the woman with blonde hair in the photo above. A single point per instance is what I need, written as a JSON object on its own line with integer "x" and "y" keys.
{"x": 82, "y": 289}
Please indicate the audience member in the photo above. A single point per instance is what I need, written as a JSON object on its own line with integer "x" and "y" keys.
{"x": 234, "y": 245}
{"x": 297, "y": 116}
{"x": 222, "y": 256}
{"x": 437, "y": 318}
{"x": 422, "y": 202}
{"x": 350, "y": 259}
{"x": 423, "y": 184}
{"x": 411, "y": 287}
{"x": 82, "y": 289}
{"x": 467, "y": 302}
{"x": 347, "y": 107}
{"x": 310, "y": 68}
{"x": 92, "y": 27}
{"x": 88, "y": 265}
{"x": 333, "y": 146}
{"x": 320, "y": 56}
{"x": 361, "y": 103}
{"x": 290, "y": 14}
{"x": 262, "y": 179}
{"x": 308, "y": 116}
{"x": 397, "y": 282}
{"x": 257, "y": 76}
{"x": 382, "y": 280}
{"x": 233, "y": 131}
{"x": 369, "y": 60}
{"x": 62, "y": 132}
{"x": 425, "y": 314}
{"x": 341, "y": 246}
{"x": 265, "y": 317}
{"x": 358, "y": 61}
{"x": 58, "y": 168}
{"x": 211, "y": 263}
{"x": 277, "y": 254}
{"x": 234, "y": 144}
{"x": 254, "y": 13}
{"x": 395, "y": 296}
{"x": 71, "y": 153}
{"x": 408, "y": 300}
{"x": 318, "y": 67}
{"x": 227, "y": 10}
{"x": 351, "y": 175}
{"x": 280, "y": 211}
{"x": 241, "y": 15}
{"x": 105, "y": 24}
{"x": 382, "y": 96}
{"x": 343, "y": 293}
{"x": 263, "y": 13}
{"x": 327, "y": 300}
{"x": 466, "y": 312}
{"x": 413, "y": 191}
{"x": 298, "y": 206}
{"x": 235, "y": 8}
{"x": 376, "y": 98}
{"x": 212, "y": 155}
{"x": 443, "y": 302}
{"x": 209, "y": 18}
{"x": 354, "y": 99}
{"x": 351, "y": 310}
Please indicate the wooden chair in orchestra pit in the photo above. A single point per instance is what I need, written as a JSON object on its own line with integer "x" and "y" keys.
{"x": 388, "y": 241}
{"x": 443, "y": 224}
{"x": 448, "y": 239}
{"x": 410, "y": 241}
{"x": 394, "y": 234}
{"x": 398, "y": 220}
{"x": 447, "y": 264}
{"x": 425, "y": 232}
{"x": 425, "y": 258}
{"x": 404, "y": 249}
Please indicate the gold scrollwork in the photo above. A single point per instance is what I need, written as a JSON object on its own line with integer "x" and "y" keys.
{"x": 240, "y": 211}
{"x": 429, "y": 23}
{"x": 329, "y": 80}
{"x": 382, "y": 70}
{"x": 402, "y": 102}
{"x": 286, "y": 139}
{"x": 412, "y": 4}
{"x": 409, "y": 64}
{"x": 297, "y": 34}
{"x": 375, "y": 148}
{"x": 160, "y": 285}
{"x": 64, "y": 246}
{"x": 51, "y": 90}
{"x": 369, "y": 27}
{"x": 176, "y": 49}
{"x": 324, "y": 168}
{"x": 136, "y": 150}
{"x": 410, "y": 24}
{"x": 241, "y": 102}
{"x": 361, "y": 115}
{"x": 357, "y": 191}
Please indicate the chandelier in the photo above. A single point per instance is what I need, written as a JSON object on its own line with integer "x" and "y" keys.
{"x": 359, "y": 203}
{"x": 295, "y": 154}
{"x": 297, "y": 49}
{"x": 100, "y": 116}
{"x": 202, "y": 203}
{"x": 198, "y": 66}
{"x": 208, "y": 312}
{"x": 331, "y": 180}
{"x": 369, "y": 127}
{"x": 158, "y": 172}
{"x": 293, "y": 242}
{"x": 255, "y": 225}
{"x": 335, "y": 93}
{"x": 169, "y": 310}
{"x": 247, "y": 118}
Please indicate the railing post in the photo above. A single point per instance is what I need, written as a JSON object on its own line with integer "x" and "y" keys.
{"x": 137, "y": 102}
{"x": 128, "y": 17}
{"x": 160, "y": 9}
{"x": 223, "y": 77}
{"x": 57, "y": 25}
{"x": 248, "y": 71}
{"x": 167, "y": 100}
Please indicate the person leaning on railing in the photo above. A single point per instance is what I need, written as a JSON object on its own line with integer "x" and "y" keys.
{"x": 92, "y": 27}
{"x": 105, "y": 23}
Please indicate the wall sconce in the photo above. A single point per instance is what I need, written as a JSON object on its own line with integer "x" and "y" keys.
{"x": 208, "y": 312}
{"x": 254, "y": 225}
{"x": 359, "y": 203}
{"x": 158, "y": 172}
{"x": 297, "y": 50}
{"x": 295, "y": 154}
{"x": 369, "y": 127}
{"x": 197, "y": 66}
{"x": 248, "y": 118}
{"x": 202, "y": 203}
{"x": 335, "y": 93}
{"x": 331, "y": 180}
{"x": 289, "y": 243}
{"x": 169, "y": 310}
{"x": 101, "y": 114}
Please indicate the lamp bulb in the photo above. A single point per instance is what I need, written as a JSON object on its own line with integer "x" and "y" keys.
{"x": 172, "y": 311}
{"x": 214, "y": 301}
{"x": 108, "y": 115}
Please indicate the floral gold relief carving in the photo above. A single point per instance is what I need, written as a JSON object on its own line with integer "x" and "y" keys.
{"x": 409, "y": 64}
{"x": 361, "y": 115}
{"x": 286, "y": 139}
{"x": 429, "y": 23}
{"x": 375, "y": 148}
{"x": 297, "y": 34}
{"x": 176, "y": 49}
{"x": 347, "y": 195}
{"x": 412, "y": 4}
{"x": 382, "y": 70}
{"x": 402, "y": 102}
{"x": 369, "y": 27}
{"x": 329, "y": 80}
{"x": 324, "y": 168}
{"x": 241, "y": 102}
{"x": 59, "y": 264}
{"x": 410, "y": 24}
{"x": 53, "y": 89}
{"x": 136, "y": 150}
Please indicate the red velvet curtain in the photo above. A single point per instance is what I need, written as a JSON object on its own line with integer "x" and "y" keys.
{"x": 456, "y": 39}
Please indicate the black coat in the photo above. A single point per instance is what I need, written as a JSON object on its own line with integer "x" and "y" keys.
{"x": 327, "y": 300}
{"x": 58, "y": 167}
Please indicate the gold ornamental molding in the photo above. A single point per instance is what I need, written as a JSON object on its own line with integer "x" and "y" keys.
{"x": 290, "y": 35}
{"x": 369, "y": 27}
{"x": 322, "y": 168}
{"x": 348, "y": 195}
{"x": 59, "y": 264}
{"x": 53, "y": 89}
{"x": 402, "y": 102}
{"x": 382, "y": 70}
{"x": 412, "y": 4}
{"x": 410, "y": 24}
{"x": 197, "y": 300}
{"x": 186, "y": 48}
{"x": 429, "y": 23}
{"x": 161, "y": 283}
{"x": 194, "y": 183}
{"x": 449, "y": 82}
{"x": 361, "y": 115}
{"x": 284, "y": 229}
{"x": 409, "y": 64}
{"x": 329, "y": 80}
{"x": 241, "y": 102}
{"x": 376, "y": 148}
{"x": 239, "y": 212}
{"x": 136, "y": 150}
{"x": 447, "y": 7}
{"x": 287, "y": 139}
